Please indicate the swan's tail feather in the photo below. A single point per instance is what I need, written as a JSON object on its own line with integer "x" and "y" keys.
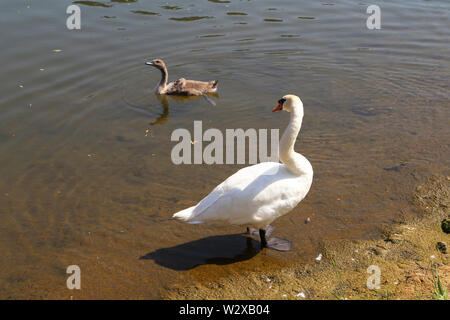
{"x": 186, "y": 216}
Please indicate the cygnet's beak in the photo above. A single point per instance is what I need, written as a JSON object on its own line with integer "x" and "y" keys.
{"x": 150, "y": 63}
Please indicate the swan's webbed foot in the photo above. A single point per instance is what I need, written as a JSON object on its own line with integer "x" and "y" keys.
{"x": 279, "y": 244}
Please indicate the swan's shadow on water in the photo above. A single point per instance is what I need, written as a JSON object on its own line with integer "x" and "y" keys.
{"x": 231, "y": 248}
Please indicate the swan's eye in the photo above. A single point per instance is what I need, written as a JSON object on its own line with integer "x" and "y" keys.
{"x": 282, "y": 101}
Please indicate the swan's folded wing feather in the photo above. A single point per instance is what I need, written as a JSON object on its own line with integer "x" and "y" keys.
{"x": 236, "y": 181}
{"x": 229, "y": 198}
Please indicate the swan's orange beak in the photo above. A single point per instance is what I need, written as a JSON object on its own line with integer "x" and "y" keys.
{"x": 280, "y": 106}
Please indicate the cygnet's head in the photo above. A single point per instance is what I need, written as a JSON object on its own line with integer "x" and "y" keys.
{"x": 289, "y": 103}
{"x": 157, "y": 63}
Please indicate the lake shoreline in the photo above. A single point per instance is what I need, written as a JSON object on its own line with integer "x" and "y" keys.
{"x": 407, "y": 255}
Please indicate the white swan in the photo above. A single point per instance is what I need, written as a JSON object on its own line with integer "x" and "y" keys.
{"x": 257, "y": 195}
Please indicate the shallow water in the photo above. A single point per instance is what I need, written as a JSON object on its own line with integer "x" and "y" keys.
{"x": 86, "y": 174}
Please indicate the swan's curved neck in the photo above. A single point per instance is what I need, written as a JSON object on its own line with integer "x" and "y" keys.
{"x": 287, "y": 154}
{"x": 163, "y": 82}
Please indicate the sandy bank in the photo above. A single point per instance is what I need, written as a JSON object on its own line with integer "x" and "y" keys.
{"x": 407, "y": 255}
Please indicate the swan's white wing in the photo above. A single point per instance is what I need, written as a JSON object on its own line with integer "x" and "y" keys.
{"x": 235, "y": 182}
{"x": 254, "y": 195}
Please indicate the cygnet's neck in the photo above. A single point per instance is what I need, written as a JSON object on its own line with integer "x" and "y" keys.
{"x": 163, "y": 82}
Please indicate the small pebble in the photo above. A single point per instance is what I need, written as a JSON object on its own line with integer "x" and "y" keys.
{"x": 445, "y": 225}
{"x": 442, "y": 247}
{"x": 307, "y": 220}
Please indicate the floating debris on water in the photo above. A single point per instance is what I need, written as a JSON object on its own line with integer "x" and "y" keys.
{"x": 273, "y": 20}
{"x": 171, "y": 7}
{"x": 191, "y": 18}
{"x": 149, "y": 13}
{"x": 237, "y": 14}
{"x": 319, "y": 257}
{"x": 93, "y": 4}
{"x": 396, "y": 167}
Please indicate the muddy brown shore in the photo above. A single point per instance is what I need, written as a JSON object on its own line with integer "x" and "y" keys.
{"x": 408, "y": 253}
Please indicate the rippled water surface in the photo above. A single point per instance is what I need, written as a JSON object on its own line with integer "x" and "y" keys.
{"x": 86, "y": 174}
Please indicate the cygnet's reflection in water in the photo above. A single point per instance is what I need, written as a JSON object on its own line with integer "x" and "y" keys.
{"x": 164, "y": 100}
{"x": 218, "y": 250}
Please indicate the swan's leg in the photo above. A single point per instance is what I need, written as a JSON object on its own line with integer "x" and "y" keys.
{"x": 254, "y": 232}
{"x": 273, "y": 243}
{"x": 262, "y": 235}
